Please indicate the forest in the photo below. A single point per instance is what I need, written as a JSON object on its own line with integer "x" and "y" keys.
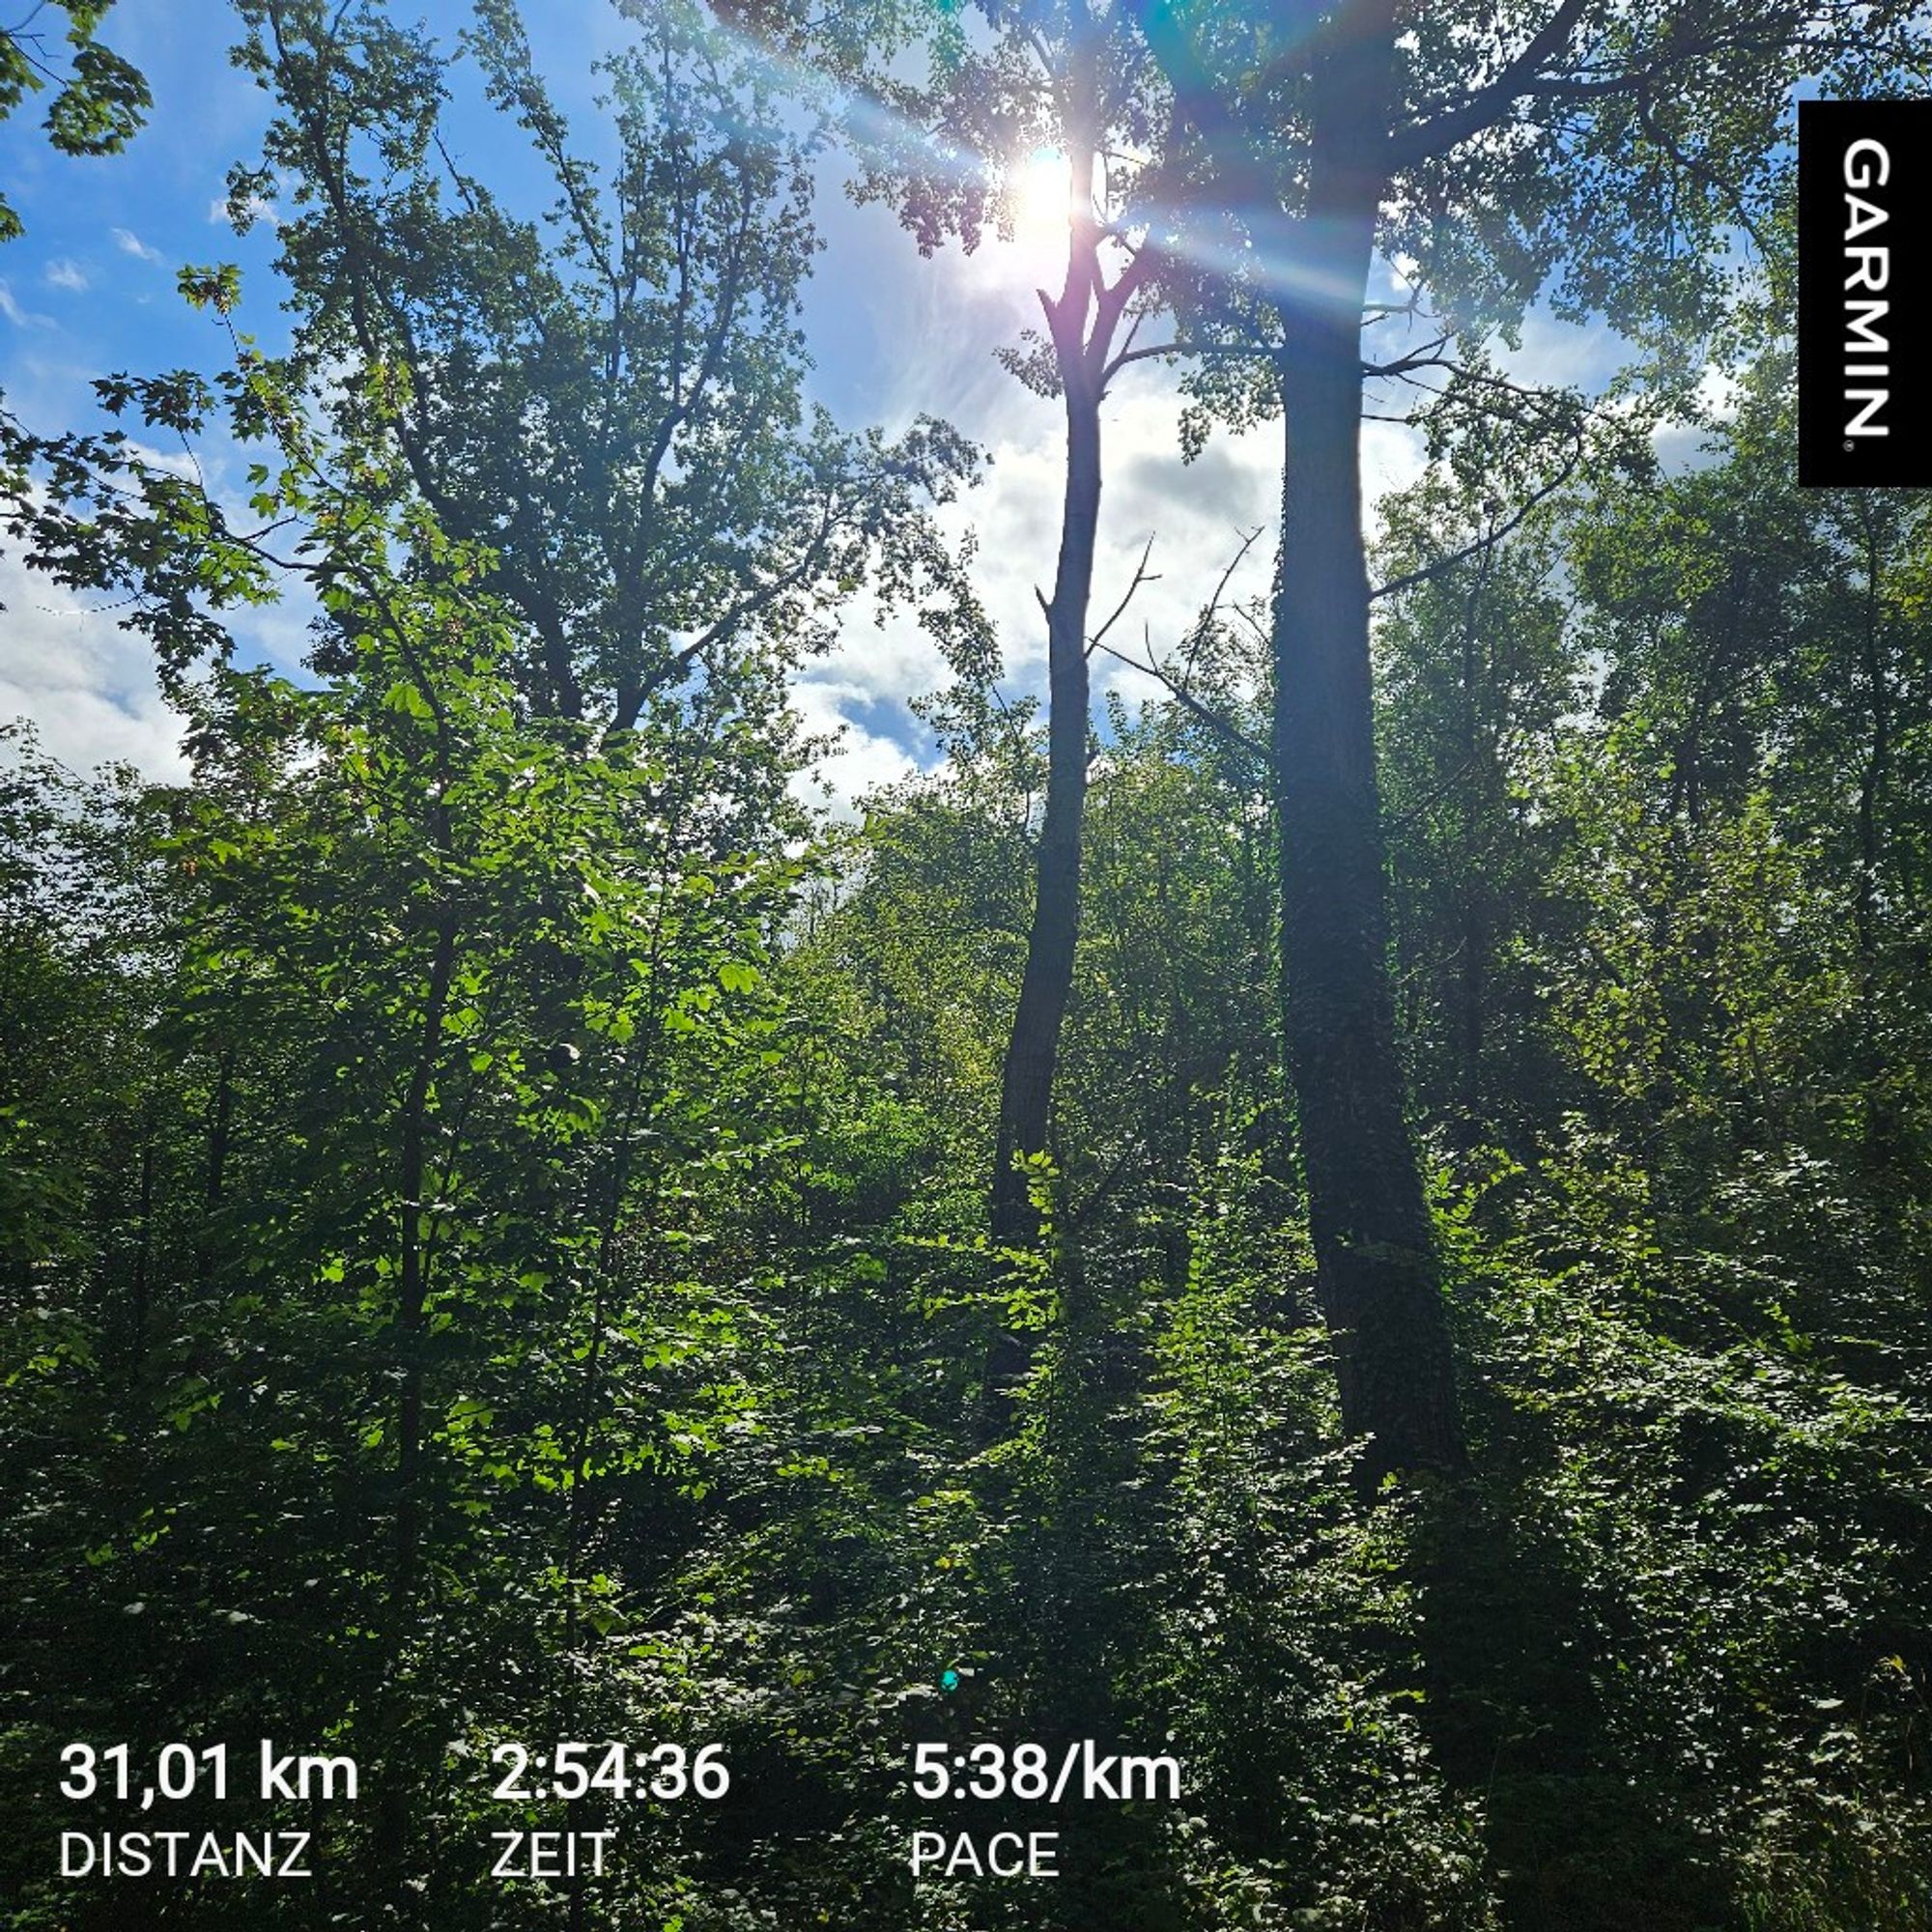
{"x": 1346, "y": 1221}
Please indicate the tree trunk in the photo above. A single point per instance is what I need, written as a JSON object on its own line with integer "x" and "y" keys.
{"x": 1474, "y": 889}
{"x": 138, "y": 1350}
{"x": 1082, "y": 321}
{"x": 1025, "y": 1083}
{"x": 413, "y": 1286}
{"x": 221, "y": 1124}
{"x": 1032, "y": 1048}
{"x": 1376, "y": 1270}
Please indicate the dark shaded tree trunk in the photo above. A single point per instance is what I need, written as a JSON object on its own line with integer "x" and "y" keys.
{"x": 1026, "y": 1083}
{"x": 1377, "y": 1274}
{"x": 220, "y": 1124}
{"x": 1872, "y": 778}
{"x": 413, "y": 1294}
{"x": 1474, "y": 889}
{"x": 1032, "y": 1048}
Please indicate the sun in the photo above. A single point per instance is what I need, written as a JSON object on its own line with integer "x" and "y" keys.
{"x": 1039, "y": 196}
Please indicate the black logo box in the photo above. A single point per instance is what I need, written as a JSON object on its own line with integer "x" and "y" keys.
{"x": 1865, "y": 226}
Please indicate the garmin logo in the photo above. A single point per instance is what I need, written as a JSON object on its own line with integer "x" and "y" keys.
{"x": 1861, "y": 181}
{"x": 1868, "y": 273}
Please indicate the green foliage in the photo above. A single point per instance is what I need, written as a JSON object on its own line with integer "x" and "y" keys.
{"x": 430, "y": 1003}
{"x": 607, "y": 394}
{"x": 489, "y": 1258}
{"x": 99, "y": 99}
{"x": 492, "y": 1201}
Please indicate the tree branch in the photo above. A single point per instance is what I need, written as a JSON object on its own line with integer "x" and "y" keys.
{"x": 1224, "y": 727}
{"x": 1508, "y": 526}
{"x": 1488, "y": 104}
{"x": 1142, "y": 574}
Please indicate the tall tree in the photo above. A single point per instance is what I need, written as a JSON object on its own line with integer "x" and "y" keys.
{"x": 1086, "y": 79}
{"x": 430, "y": 979}
{"x": 607, "y": 393}
{"x": 1003, "y": 96}
{"x": 1610, "y": 158}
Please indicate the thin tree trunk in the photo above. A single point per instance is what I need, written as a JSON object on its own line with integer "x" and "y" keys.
{"x": 1377, "y": 1274}
{"x": 1026, "y": 1085}
{"x": 414, "y": 1295}
{"x": 1082, "y": 323}
{"x": 1032, "y": 1048}
{"x": 1475, "y": 887}
{"x": 215, "y": 1172}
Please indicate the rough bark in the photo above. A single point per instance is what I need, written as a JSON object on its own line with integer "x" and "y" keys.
{"x": 220, "y": 1126}
{"x": 1377, "y": 1274}
{"x": 1872, "y": 779}
{"x": 413, "y": 1286}
{"x": 144, "y": 1250}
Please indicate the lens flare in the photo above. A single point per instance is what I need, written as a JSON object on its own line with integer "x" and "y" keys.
{"x": 1039, "y": 196}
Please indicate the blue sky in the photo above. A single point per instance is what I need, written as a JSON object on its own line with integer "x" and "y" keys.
{"x": 89, "y": 290}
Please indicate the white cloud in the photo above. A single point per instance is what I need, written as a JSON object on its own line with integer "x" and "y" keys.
{"x": 927, "y": 332}
{"x": 875, "y": 660}
{"x": 88, "y": 685}
{"x": 1566, "y": 355}
{"x": 1196, "y": 514}
{"x": 179, "y": 462}
{"x": 20, "y": 317}
{"x": 1695, "y": 445}
{"x": 258, "y": 206}
{"x": 130, "y": 243}
{"x": 66, "y": 274}
{"x": 862, "y": 762}
{"x": 1393, "y": 457}
{"x": 950, "y": 314}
